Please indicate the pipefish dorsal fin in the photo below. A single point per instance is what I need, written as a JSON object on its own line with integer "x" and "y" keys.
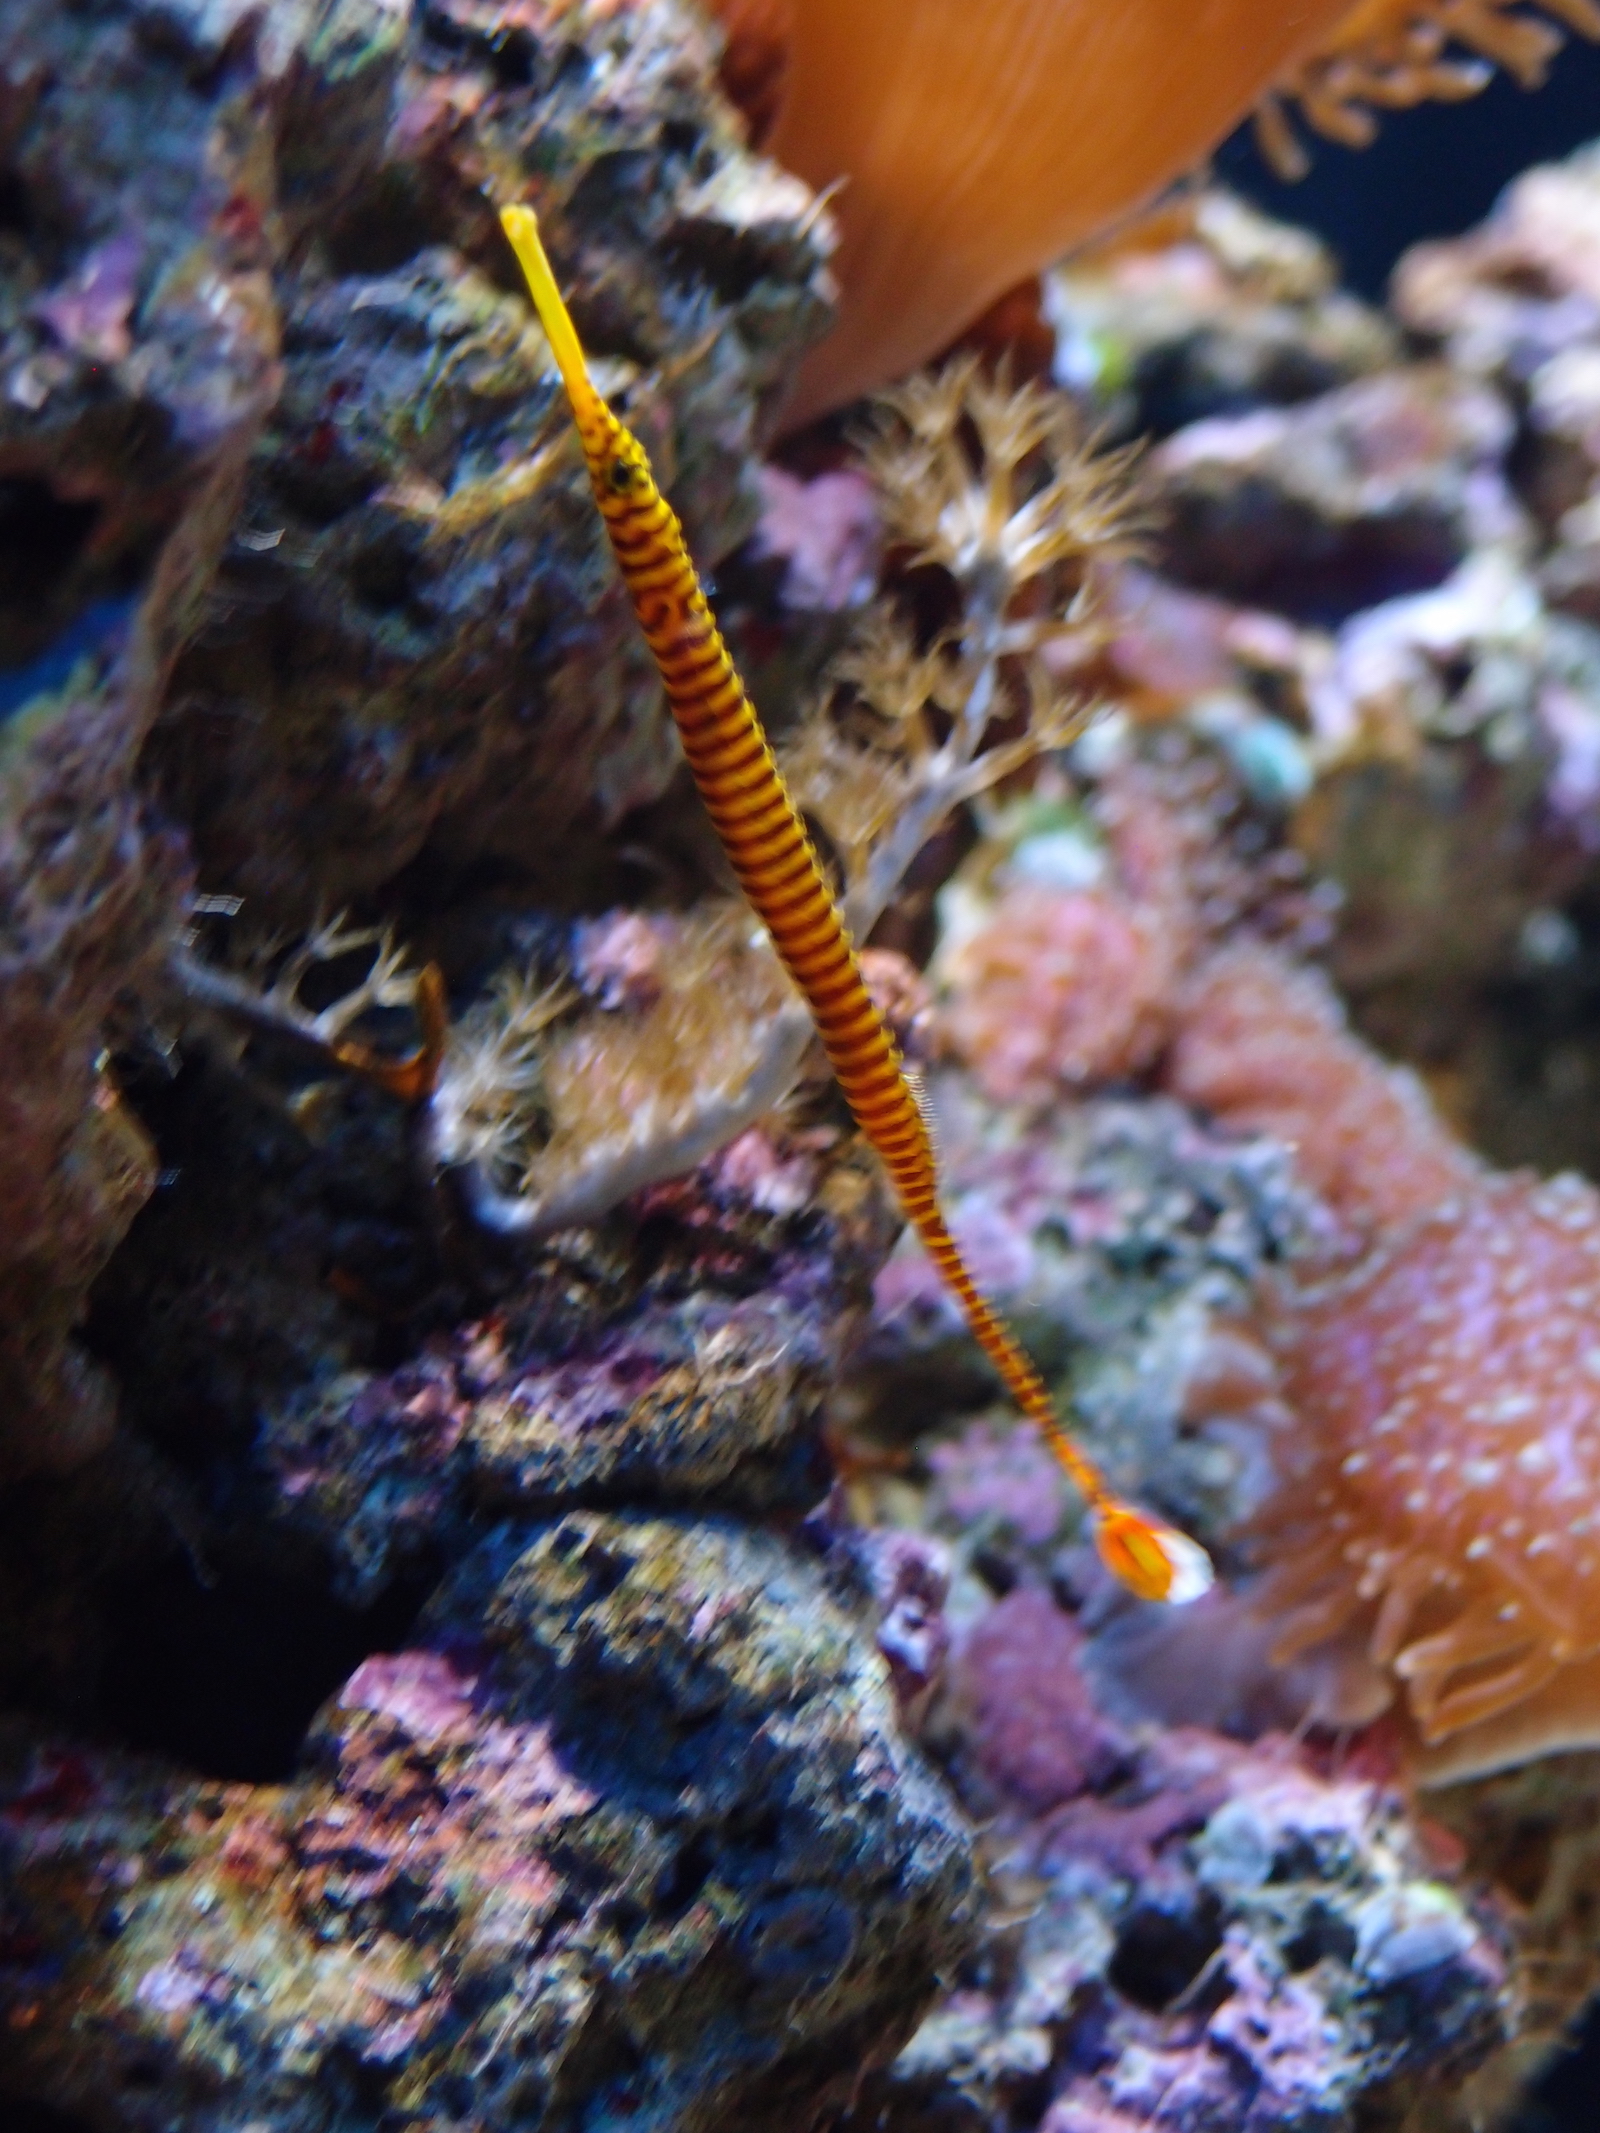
{"x": 916, "y": 1082}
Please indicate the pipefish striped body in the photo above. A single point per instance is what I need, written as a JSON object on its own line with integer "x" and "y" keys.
{"x": 776, "y": 866}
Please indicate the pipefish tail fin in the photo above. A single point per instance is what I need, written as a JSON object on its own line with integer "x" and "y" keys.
{"x": 777, "y": 866}
{"x": 1153, "y": 1560}
{"x": 521, "y": 226}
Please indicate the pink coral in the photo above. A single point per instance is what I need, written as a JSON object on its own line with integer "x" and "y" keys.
{"x": 619, "y": 959}
{"x": 827, "y": 530}
{"x": 1058, "y": 989}
{"x": 1443, "y": 1485}
{"x": 1028, "y": 1706}
{"x": 1263, "y": 1047}
{"x": 901, "y": 995}
{"x": 1062, "y": 987}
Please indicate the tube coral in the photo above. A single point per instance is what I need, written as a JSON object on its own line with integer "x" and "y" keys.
{"x": 972, "y": 145}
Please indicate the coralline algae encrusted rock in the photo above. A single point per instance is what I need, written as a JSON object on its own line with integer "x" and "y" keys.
{"x": 1459, "y": 745}
{"x": 416, "y": 642}
{"x": 629, "y": 1832}
{"x": 679, "y": 1355}
{"x": 410, "y": 632}
{"x": 138, "y": 359}
{"x": 1192, "y": 1934}
{"x": 630, "y": 1823}
{"x": 710, "y": 1400}
{"x": 1376, "y": 488}
{"x": 1111, "y": 1232}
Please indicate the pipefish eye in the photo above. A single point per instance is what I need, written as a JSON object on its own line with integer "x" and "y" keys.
{"x": 621, "y": 475}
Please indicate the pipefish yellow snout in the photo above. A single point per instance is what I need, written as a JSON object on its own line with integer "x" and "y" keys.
{"x": 778, "y": 870}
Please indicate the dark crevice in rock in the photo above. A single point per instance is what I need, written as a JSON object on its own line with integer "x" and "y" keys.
{"x": 1160, "y": 1951}
{"x": 226, "y": 1676}
{"x": 19, "y": 2117}
{"x": 42, "y": 540}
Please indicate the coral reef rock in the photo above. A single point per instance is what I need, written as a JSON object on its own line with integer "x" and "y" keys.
{"x": 1113, "y": 1235}
{"x": 1188, "y": 1934}
{"x": 139, "y": 354}
{"x": 1236, "y": 313}
{"x": 416, "y": 643}
{"x": 629, "y": 1832}
{"x": 297, "y": 562}
{"x": 1321, "y": 509}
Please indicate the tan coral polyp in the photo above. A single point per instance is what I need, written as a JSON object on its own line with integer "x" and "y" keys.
{"x": 975, "y": 141}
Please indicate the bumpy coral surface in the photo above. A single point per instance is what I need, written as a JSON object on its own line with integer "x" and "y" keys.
{"x": 630, "y": 1829}
{"x": 1447, "y": 1469}
{"x": 1199, "y": 1935}
{"x": 1058, "y": 990}
{"x": 1262, "y": 1047}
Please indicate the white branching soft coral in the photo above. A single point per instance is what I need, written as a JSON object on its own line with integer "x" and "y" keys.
{"x": 994, "y": 482}
{"x": 365, "y": 972}
{"x": 1001, "y": 489}
{"x": 488, "y": 1104}
{"x": 553, "y": 1113}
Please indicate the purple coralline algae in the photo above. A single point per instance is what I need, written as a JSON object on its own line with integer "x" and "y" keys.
{"x": 630, "y": 1829}
{"x": 1189, "y": 1933}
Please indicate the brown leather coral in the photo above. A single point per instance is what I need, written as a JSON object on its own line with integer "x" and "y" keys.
{"x": 975, "y": 141}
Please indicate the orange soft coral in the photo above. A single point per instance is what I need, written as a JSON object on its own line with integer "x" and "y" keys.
{"x": 1447, "y": 1469}
{"x": 1388, "y": 54}
{"x": 973, "y": 144}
